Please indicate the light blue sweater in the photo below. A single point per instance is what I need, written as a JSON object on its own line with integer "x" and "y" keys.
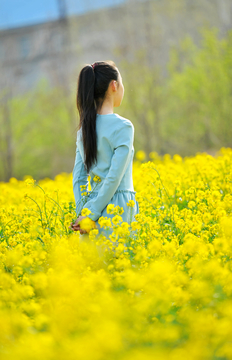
{"x": 115, "y": 150}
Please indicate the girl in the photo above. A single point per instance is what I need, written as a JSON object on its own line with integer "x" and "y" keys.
{"x": 104, "y": 146}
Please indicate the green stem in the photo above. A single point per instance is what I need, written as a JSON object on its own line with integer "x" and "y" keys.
{"x": 40, "y": 188}
{"x": 166, "y": 192}
{"x": 130, "y": 215}
{"x": 85, "y": 198}
{"x": 39, "y": 211}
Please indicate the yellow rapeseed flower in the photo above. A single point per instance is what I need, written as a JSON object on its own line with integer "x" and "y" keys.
{"x": 87, "y": 224}
{"x": 174, "y": 271}
{"x": 116, "y": 219}
{"x": 96, "y": 179}
{"x": 85, "y": 212}
{"x": 110, "y": 209}
{"x": 140, "y": 155}
{"x": 131, "y": 203}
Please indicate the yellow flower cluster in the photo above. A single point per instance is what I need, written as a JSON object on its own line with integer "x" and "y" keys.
{"x": 112, "y": 209}
{"x": 87, "y": 224}
{"x": 163, "y": 282}
{"x": 85, "y": 212}
{"x": 83, "y": 190}
{"x": 131, "y": 203}
{"x": 85, "y": 194}
{"x": 96, "y": 179}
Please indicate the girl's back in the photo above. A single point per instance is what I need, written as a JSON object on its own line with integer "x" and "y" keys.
{"x": 104, "y": 147}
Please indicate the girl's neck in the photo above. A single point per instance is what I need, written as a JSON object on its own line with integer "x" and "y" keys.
{"x": 106, "y": 108}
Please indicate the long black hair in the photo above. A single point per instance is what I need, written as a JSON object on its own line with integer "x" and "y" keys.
{"x": 93, "y": 83}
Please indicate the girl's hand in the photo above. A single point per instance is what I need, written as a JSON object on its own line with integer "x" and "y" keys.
{"x": 76, "y": 226}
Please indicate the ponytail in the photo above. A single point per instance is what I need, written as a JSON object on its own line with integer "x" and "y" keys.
{"x": 93, "y": 83}
{"x": 87, "y": 112}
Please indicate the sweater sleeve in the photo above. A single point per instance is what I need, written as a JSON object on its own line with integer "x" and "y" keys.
{"x": 122, "y": 142}
{"x": 80, "y": 177}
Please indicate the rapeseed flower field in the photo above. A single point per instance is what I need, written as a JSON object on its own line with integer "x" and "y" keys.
{"x": 157, "y": 288}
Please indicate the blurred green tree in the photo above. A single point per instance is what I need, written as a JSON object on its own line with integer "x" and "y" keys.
{"x": 190, "y": 109}
{"x": 199, "y": 90}
{"x": 144, "y": 101}
{"x": 42, "y": 135}
{"x": 186, "y": 112}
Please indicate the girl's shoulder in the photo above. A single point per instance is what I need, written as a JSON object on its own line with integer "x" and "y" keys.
{"x": 114, "y": 119}
{"x": 111, "y": 124}
{"x": 123, "y": 121}
{"x": 122, "y": 132}
{"x": 114, "y": 123}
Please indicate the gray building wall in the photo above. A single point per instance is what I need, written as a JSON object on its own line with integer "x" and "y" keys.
{"x": 56, "y": 50}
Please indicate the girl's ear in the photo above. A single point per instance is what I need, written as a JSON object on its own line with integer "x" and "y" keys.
{"x": 114, "y": 85}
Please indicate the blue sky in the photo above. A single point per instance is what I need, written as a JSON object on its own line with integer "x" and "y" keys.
{"x": 14, "y": 13}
